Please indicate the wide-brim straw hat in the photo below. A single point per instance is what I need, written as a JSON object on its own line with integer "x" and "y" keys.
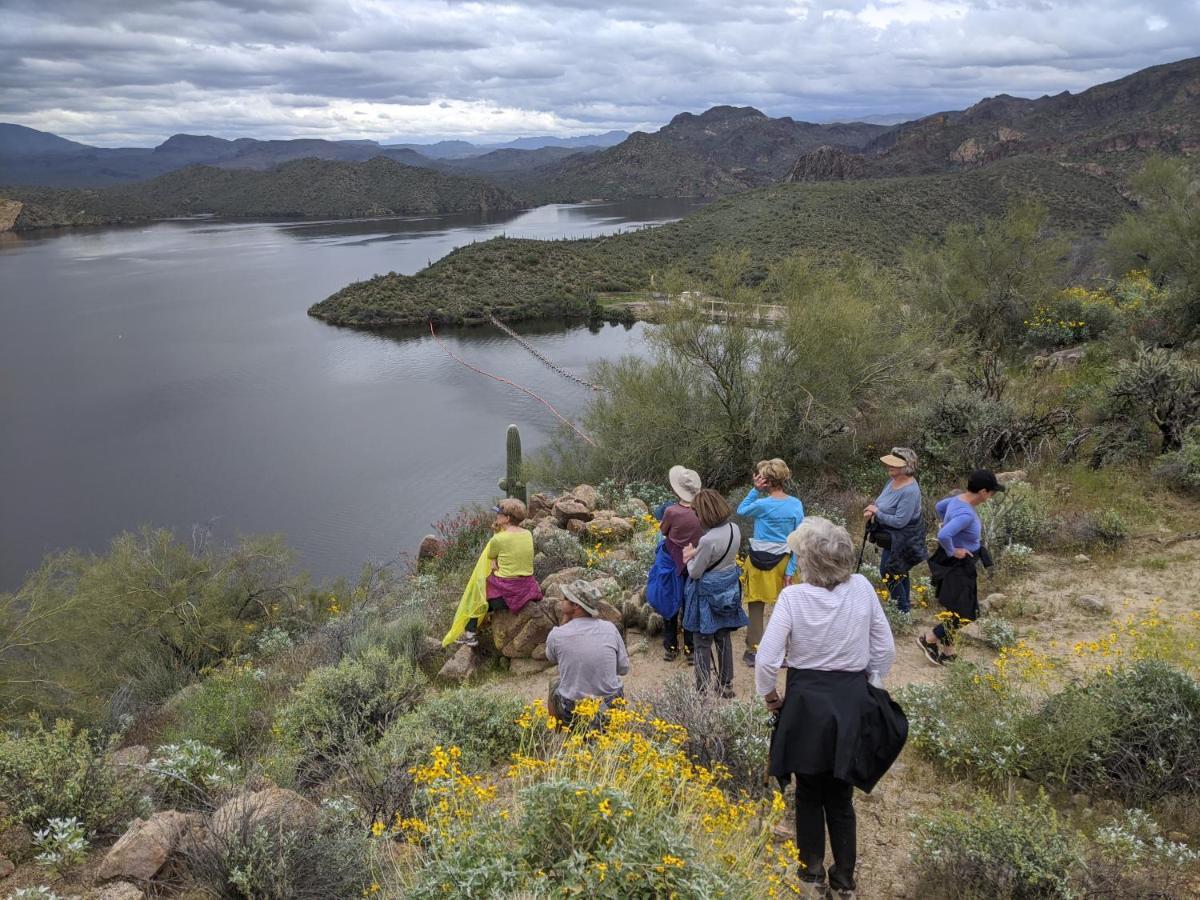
{"x": 893, "y": 460}
{"x": 684, "y": 482}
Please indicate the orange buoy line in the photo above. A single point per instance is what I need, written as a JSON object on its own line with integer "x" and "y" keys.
{"x": 476, "y": 369}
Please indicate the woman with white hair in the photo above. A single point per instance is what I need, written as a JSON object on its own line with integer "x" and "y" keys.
{"x": 895, "y": 525}
{"x": 837, "y": 729}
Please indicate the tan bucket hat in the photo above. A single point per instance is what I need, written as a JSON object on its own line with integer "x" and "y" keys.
{"x": 684, "y": 482}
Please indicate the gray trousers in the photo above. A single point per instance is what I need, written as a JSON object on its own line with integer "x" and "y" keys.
{"x": 722, "y": 643}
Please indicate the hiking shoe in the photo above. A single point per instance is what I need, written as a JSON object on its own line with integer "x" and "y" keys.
{"x": 670, "y": 655}
{"x": 726, "y": 693}
{"x": 689, "y": 657}
{"x": 931, "y": 650}
{"x": 468, "y": 639}
{"x": 748, "y": 658}
{"x": 836, "y": 894}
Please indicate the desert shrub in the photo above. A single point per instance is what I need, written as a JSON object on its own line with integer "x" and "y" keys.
{"x": 400, "y": 638}
{"x": 229, "y": 710}
{"x": 337, "y": 708}
{"x": 273, "y": 642}
{"x": 997, "y": 632}
{"x": 1135, "y": 734}
{"x": 984, "y": 849}
{"x": 61, "y": 844}
{"x": 1104, "y": 529}
{"x": 1157, "y": 389}
{"x": 462, "y": 536}
{"x": 482, "y": 724}
{"x": 557, "y": 550}
{"x": 1018, "y": 516}
{"x": 62, "y": 772}
{"x": 190, "y": 775}
{"x": 1180, "y": 469}
{"x": 902, "y": 623}
{"x": 312, "y": 860}
{"x": 733, "y": 735}
{"x": 1132, "y": 860}
{"x": 616, "y": 496}
{"x": 1014, "y": 559}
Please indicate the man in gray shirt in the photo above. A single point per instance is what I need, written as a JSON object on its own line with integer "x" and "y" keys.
{"x": 589, "y": 652}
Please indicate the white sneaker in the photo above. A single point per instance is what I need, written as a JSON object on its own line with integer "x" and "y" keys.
{"x": 468, "y": 639}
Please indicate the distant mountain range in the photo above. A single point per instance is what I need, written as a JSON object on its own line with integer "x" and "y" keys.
{"x": 32, "y": 157}
{"x": 1105, "y": 132}
{"x": 308, "y": 188}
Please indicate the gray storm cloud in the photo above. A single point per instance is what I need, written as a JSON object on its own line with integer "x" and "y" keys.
{"x": 134, "y": 72}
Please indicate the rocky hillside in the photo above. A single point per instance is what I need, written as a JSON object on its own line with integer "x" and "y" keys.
{"x": 307, "y": 188}
{"x": 1110, "y": 128}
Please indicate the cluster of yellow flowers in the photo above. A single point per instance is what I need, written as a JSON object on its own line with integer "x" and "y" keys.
{"x": 1044, "y": 317}
{"x": 1151, "y": 635}
{"x": 596, "y": 554}
{"x": 623, "y": 751}
{"x": 1020, "y": 666}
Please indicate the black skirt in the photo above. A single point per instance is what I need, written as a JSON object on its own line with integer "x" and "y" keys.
{"x": 836, "y": 723}
{"x": 955, "y": 584}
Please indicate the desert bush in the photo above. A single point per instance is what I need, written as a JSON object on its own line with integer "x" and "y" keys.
{"x": 984, "y": 849}
{"x": 1019, "y": 517}
{"x": 617, "y": 812}
{"x": 229, "y": 710}
{"x": 61, "y": 844}
{"x": 1158, "y": 388}
{"x": 336, "y": 708}
{"x": 312, "y": 860}
{"x": 462, "y": 537}
{"x": 62, "y": 772}
{"x": 481, "y": 723}
{"x": 997, "y": 632}
{"x": 1131, "y": 859}
{"x": 558, "y": 550}
{"x": 616, "y": 496}
{"x": 734, "y": 736}
{"x": 190, "y": 775}
{"x": 1180, "y": 469}
{"x": 1135, "y": 734}
{"x": 1103, "y": 529}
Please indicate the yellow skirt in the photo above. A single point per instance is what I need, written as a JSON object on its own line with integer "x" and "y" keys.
{"x": 764, "y": 586}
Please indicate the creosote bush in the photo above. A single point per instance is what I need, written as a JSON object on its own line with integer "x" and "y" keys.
{"x": 229, "y": 710}
{"x": 482, "y": 724}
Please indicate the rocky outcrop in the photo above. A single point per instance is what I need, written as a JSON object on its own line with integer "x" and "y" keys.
{"x": 146, "y": 846}
{"x": 827, "y": 164}
{"x": 273, "y": 807}
{"x": 1059, "y": 359}
{"x": 522, "y": 635}
{"x": 9, "y": 211}
{"x": 119, "y": 890}
{"x": 461, "y": 666}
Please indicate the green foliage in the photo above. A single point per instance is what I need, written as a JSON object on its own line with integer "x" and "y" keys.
{"x": 62, "y": 772}
{"x": 556, "y": 551}
{"x": 574, "y": 838}
{"x": 985, "y": 849}
{"x": 229, "y": 710}
{"x": 1132, "y": 859}
{"x": 997, "y": 631}
{"x": 1180, "y": 469}
{"x": 151, "y": 608}
{"x": 1164, "y": 234}
{"x": 336, "y": 709}
{"x": 987, "y": 280}
{"x": 481, "y": 723}
{"x": 842, "y": 360}
{"x": 1134, "y": 735}
{"x": 190, "y": 775}
{"x": 61, "y": 844}
{"x": 1018, "y": 516}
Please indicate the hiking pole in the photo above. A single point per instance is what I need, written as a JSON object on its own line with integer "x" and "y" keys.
{"x": 863, "y": 548}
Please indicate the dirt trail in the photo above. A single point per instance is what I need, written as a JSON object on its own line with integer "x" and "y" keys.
{"x": 1041, "y": 605}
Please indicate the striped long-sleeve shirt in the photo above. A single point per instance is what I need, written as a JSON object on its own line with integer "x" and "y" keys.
{"x": 839, "y": 630}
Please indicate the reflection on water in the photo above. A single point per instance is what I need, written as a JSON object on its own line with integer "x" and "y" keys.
{"x": 168, "y": 374}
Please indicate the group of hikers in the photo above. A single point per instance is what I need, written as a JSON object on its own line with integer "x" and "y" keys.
{"x": 805, "y": 607}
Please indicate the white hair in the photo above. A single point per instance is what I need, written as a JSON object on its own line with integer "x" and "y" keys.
{"x": 824, "y": 552}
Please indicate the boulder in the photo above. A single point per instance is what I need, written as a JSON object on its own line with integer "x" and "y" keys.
{"x": 568, "y": 509}
{"x": 147, "y": 844}
{"x": 609, "y": 528}
{"x": 565, "y": 576}
{"x": 635, "y": 506}
{"x": 272, "y": 807}
{"x": 7, "y": 867}
{"x": 1060, "y": 359}
{"x": 517, "y": 635}
{"x": 461, "y": 666}
{"x": 1090, "y": 604}
{"x": 1007, "y": 478}
{"x": 587, "y": 495}
{"x": 119, "y": 890}
{"x": 544, "y": 532}
{"x": 540, "y": 506}
{"x": 1081, "y": 558}
{"x": 575, "y": 526}
{"x": 996, "y": 602}
{"x": 16, "y": 841}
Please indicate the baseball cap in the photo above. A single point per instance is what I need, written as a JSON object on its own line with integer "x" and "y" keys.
{"x": 983, "y": 480}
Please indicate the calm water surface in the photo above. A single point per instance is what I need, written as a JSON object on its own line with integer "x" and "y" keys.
{"x": 168, "y": 374}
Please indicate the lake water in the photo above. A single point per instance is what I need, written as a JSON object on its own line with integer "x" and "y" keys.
{"x": 168, "y": 374}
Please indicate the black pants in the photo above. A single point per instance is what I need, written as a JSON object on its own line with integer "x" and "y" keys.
{"x": 495, "y": 604}
{"x": 671, "y": 634}
{"x": 824, "y": 801}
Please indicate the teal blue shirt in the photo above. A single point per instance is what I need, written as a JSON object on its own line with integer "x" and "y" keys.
{"x": 774, "y": 519}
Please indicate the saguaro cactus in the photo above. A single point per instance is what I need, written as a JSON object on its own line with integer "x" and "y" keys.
{"x": 512, "y": 483}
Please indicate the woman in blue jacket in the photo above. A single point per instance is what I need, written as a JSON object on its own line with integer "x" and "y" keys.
{"x": 776, "y": 514}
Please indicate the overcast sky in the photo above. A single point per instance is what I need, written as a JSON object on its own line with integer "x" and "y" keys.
{"x": 132, "y": 72}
